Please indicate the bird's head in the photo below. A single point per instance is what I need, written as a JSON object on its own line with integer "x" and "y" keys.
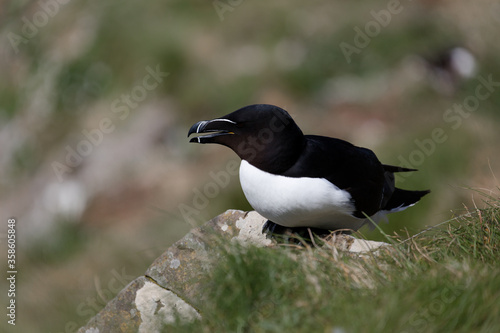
{"x": 262, "y": 134}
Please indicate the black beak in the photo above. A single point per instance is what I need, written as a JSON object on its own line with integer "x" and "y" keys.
{"x": 214, "y": 129}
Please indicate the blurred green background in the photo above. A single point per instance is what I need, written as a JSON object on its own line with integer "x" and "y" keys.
{"x": 95, "y": 163}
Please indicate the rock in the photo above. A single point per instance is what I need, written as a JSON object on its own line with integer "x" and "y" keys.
{"x": 174, "y": 283}
{"x": 158, "y": 306}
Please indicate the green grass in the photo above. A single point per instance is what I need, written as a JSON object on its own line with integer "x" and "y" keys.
{"x": 445, "y": 279}
{"x": 56, "y": 85}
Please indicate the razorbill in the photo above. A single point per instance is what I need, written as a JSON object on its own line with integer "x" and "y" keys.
{"x": 449, "y": 68}
{"x": 298, "y": 180}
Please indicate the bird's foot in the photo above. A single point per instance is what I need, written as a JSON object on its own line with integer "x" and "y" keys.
{"x": 296, "y": 235}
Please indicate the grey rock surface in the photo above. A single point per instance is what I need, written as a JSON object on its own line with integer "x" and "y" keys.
{"x": 173, "y": 286}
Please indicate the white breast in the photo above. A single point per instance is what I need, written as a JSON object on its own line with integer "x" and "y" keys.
{"x": 298, "y": 202}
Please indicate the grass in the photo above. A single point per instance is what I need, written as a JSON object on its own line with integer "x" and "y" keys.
{"x": 66, "y": 77}
{"x": 445, "y": 279}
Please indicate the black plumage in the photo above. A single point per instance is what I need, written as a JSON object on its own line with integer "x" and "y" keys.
{"x": 267, "y": 137}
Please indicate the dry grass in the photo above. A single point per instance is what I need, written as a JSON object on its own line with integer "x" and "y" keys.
{"x": 441, "y": 280}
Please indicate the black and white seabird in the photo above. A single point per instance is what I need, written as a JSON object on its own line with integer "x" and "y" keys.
{"x": 449, "y": 68}
{"x": 298, "y": 180}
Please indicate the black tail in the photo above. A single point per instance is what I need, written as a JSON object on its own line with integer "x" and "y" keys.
{"x": 401, "y": 199}
{"x": 392, "y": 168}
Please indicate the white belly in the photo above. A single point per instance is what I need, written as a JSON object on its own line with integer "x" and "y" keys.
{"x": 298, "y": 202}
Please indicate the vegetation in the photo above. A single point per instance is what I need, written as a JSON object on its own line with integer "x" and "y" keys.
{"x": 445, "y": 279}
{"x": 64, "y": 64}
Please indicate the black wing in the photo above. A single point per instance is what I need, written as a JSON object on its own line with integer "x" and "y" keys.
{"x": 351, "y": 168}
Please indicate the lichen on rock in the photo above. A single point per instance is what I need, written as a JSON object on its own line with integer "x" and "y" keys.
{"x": 172, "y": 287}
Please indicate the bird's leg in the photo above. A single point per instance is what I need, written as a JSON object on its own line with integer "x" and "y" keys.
{"x": 291, "y": 235}
{"x": 277, "y": 232}
{"x": 269, "y": 227}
